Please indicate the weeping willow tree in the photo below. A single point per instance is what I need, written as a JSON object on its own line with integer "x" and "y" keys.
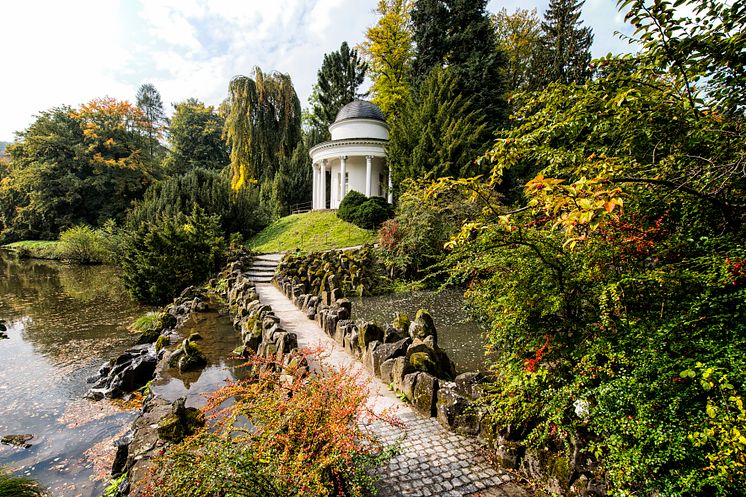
{"x": 262, "y": 127}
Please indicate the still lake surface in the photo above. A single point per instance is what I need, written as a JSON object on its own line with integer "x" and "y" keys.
{"x": 64, "y": 321}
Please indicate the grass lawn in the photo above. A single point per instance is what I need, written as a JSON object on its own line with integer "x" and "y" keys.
{"x": 38, "y": 249}
{"x": 311, "y": 231}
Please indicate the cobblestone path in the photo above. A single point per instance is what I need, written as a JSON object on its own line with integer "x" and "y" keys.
{"x": 431, "y": 461}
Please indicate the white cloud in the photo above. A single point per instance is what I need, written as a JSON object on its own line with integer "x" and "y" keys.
{"x": 70, "y": 52}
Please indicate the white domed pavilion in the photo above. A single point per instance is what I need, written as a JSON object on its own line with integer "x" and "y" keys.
{"x": 355, "y": 157}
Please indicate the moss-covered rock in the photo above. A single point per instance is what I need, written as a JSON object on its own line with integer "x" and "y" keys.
{"x": 182, "y": 422}
{"x": 163, "y": 341}
{"x": 369, "y": 332}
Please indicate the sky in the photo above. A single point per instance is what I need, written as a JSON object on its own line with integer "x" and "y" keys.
{"x": 68, "y": 53}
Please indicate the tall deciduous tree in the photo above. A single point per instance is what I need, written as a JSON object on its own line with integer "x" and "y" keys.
{"x": 519, "y": 37}
{"x": 389, "y": 50}
{"x": 459, "y": 34}
{"x": 148, "y": 100}
{"x": 263, "y": 125}
{"x": 196, "y": 138}
{"x": 565, "y": 52}
{"x": 74, "y": 166}
{"x": 339, "y": 78}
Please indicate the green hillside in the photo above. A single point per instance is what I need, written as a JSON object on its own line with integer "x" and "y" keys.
{"x": 311, "y": 231}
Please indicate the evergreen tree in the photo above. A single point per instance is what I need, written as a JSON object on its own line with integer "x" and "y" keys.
{"x": 431, "y": 28}
{"x": 458, "y": 34}
{"x": 389, "y": 50}
{"x": 148, "y": 100}
{"x": 339, "y": 78}
{"x": 440, "y": 133}
{"x": 565, "y": 52}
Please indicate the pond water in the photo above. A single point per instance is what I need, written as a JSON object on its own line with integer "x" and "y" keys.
{"x": 219, "y": 339}
{"x": 458, "y": 334}
{"x": 63, "y": 323}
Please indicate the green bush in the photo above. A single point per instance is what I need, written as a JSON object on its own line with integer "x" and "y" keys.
{"x": 373, "y": 212}
{"x": 238, "y": 211}
{"x": 367, "y": 213}
{"x": 161, "y": 259}
{"x": 86, "y": 245}
{"x": 349, "y": 204}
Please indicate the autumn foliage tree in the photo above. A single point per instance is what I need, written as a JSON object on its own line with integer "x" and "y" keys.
{"x": 73, "y": 166}
{"x": 388, "y": 49}
{"x": 613, "y": 282}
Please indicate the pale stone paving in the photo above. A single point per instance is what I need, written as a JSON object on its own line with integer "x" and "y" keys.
{"x": 431, "y": 461}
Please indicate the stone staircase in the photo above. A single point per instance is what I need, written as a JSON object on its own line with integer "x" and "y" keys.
{"x": 263, "y": 267}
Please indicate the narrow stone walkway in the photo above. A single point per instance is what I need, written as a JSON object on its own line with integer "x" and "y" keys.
{"x": 432, "y": 461}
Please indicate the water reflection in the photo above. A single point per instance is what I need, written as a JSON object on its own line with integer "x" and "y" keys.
{"x": 63, "y": 322}
{"x": 458, "y": 334}
{"x": 219, "y": 339}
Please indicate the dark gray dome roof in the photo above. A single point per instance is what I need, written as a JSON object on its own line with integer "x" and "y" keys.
{"x": 360, "y": 109}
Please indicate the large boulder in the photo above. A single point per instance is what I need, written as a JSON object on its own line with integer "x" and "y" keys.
{"x": 393, "y": 372}
{"x": 423, "y": 327}
{"x": 424, "y": 356}
{"x": 386, "y": 352}
{"x": 425, "y": 394}
{"x": 187, "y": 357}
{"x": 130, "y": 371}
{"x": 455, "y": 412}
{"x": 182, "y": 422}
{"x": 369, "y": 332}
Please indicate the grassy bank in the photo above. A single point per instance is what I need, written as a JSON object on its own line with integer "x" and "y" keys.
{"x": 311, "y": 231}
{"x": 38, "y": 249}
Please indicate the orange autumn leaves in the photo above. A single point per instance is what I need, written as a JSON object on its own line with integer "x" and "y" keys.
{"x": 114, "y": 132}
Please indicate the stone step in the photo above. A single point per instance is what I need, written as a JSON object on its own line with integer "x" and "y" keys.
{"x": 261, "y": 274}
{"x": 264, "y": 262}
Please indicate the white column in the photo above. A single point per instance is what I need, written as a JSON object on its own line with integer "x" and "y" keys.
{"x": 368, "y": 174}
{"x": 314, "y": 190}
{"x": 323, "y": 185}
{"x": 343, "y": 173}
{"x": 391, "y": 189}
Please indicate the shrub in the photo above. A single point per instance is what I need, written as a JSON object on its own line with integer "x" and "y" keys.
{"x": 86, "y": 245}
{"x": 161, "y": 259}
{"x": 349, "y": 204}
{"x": 306, "y": 439}
{"x": 427, "y": 216}
{"x": 373, "y": 212}
{"x": 238, "y": 211}
{"x": 367, "y": 213}
{"x": 82, "y": 244}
